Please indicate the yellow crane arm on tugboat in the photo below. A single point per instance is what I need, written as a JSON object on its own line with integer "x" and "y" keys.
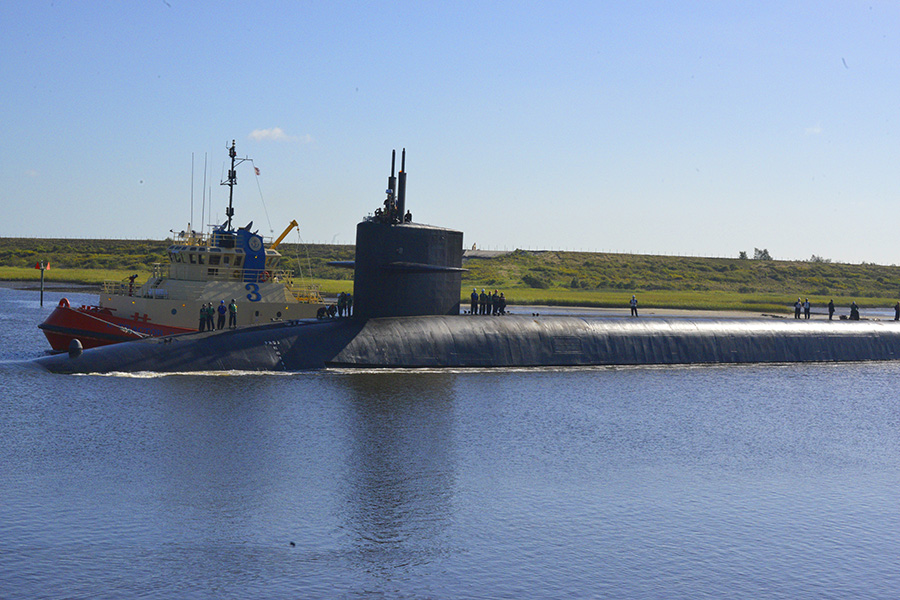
{"x": 284, "y": 234}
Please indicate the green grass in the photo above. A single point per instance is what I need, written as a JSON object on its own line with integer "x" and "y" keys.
{"x": 74, "y": 276}
{"x": 629, "y": 272}
{"x": 608, "y": 280}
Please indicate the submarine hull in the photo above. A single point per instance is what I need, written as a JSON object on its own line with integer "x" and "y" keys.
{"x": 521, "y": 341}
{"x": 509, "y": 341}
{"x": 287, "y": 346}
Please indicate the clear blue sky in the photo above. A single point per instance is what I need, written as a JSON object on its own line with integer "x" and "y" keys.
{"x": 695, "y": 128}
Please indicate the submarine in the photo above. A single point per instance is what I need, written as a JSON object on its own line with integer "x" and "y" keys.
{"x": 407, "y": 284}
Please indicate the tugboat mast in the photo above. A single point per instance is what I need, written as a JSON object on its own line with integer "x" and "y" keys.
{"x": 231, "y": 182}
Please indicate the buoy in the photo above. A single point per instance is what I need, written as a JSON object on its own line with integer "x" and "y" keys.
{"x": 75, "y": 348}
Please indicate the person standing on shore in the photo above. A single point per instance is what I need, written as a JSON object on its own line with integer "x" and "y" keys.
{"x": 897, "y": 312}
{"x": 633, "y": 305}
{"x": 806, "y": 309}
{"x": 797, "y": 306}
{"x": 830, "y": 309}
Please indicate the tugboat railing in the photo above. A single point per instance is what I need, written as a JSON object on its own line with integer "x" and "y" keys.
{"x": 284, "y": 277}
{"x": 205, "y": 240}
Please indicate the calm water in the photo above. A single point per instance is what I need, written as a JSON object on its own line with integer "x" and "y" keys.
{"x": 684, "y": 482}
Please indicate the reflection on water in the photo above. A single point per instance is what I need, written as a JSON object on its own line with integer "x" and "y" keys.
{"x": 400, "y": 475}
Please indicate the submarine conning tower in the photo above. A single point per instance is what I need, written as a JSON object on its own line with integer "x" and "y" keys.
{"x": 404, "y": 268}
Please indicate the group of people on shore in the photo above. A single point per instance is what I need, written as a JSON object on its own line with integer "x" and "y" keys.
{"x": 486, "y": 303}
{"x": 208, "y": 313}
{"x": 804, "y": 307}
{"x": 801, "y": 306}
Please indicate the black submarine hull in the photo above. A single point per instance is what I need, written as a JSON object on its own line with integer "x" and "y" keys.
{"x": 477, "y": 342}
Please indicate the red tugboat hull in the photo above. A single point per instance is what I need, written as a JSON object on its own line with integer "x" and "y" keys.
{"x": 95, "y": 326}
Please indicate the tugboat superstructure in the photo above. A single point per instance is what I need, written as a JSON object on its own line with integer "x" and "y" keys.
{"x": 217, "y": 268}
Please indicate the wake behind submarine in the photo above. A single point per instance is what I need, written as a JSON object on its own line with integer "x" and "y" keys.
{"x": 422, "y": 265}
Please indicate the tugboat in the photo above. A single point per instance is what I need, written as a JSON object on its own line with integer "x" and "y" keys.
{"x": 228, "y": 265}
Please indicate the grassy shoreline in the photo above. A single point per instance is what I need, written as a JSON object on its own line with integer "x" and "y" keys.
{"x": 554, "y": 278}
{"x": 711, "y": 300}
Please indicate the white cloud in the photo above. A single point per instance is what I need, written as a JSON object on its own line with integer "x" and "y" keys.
{"x": 277, "y": 134}
{"x": 815, "y": 130}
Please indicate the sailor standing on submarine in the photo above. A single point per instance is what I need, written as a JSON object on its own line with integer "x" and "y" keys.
{"x": 633, "y": 306}
{"x": 220, "y": 324}
{"x": 232, "y": 314}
